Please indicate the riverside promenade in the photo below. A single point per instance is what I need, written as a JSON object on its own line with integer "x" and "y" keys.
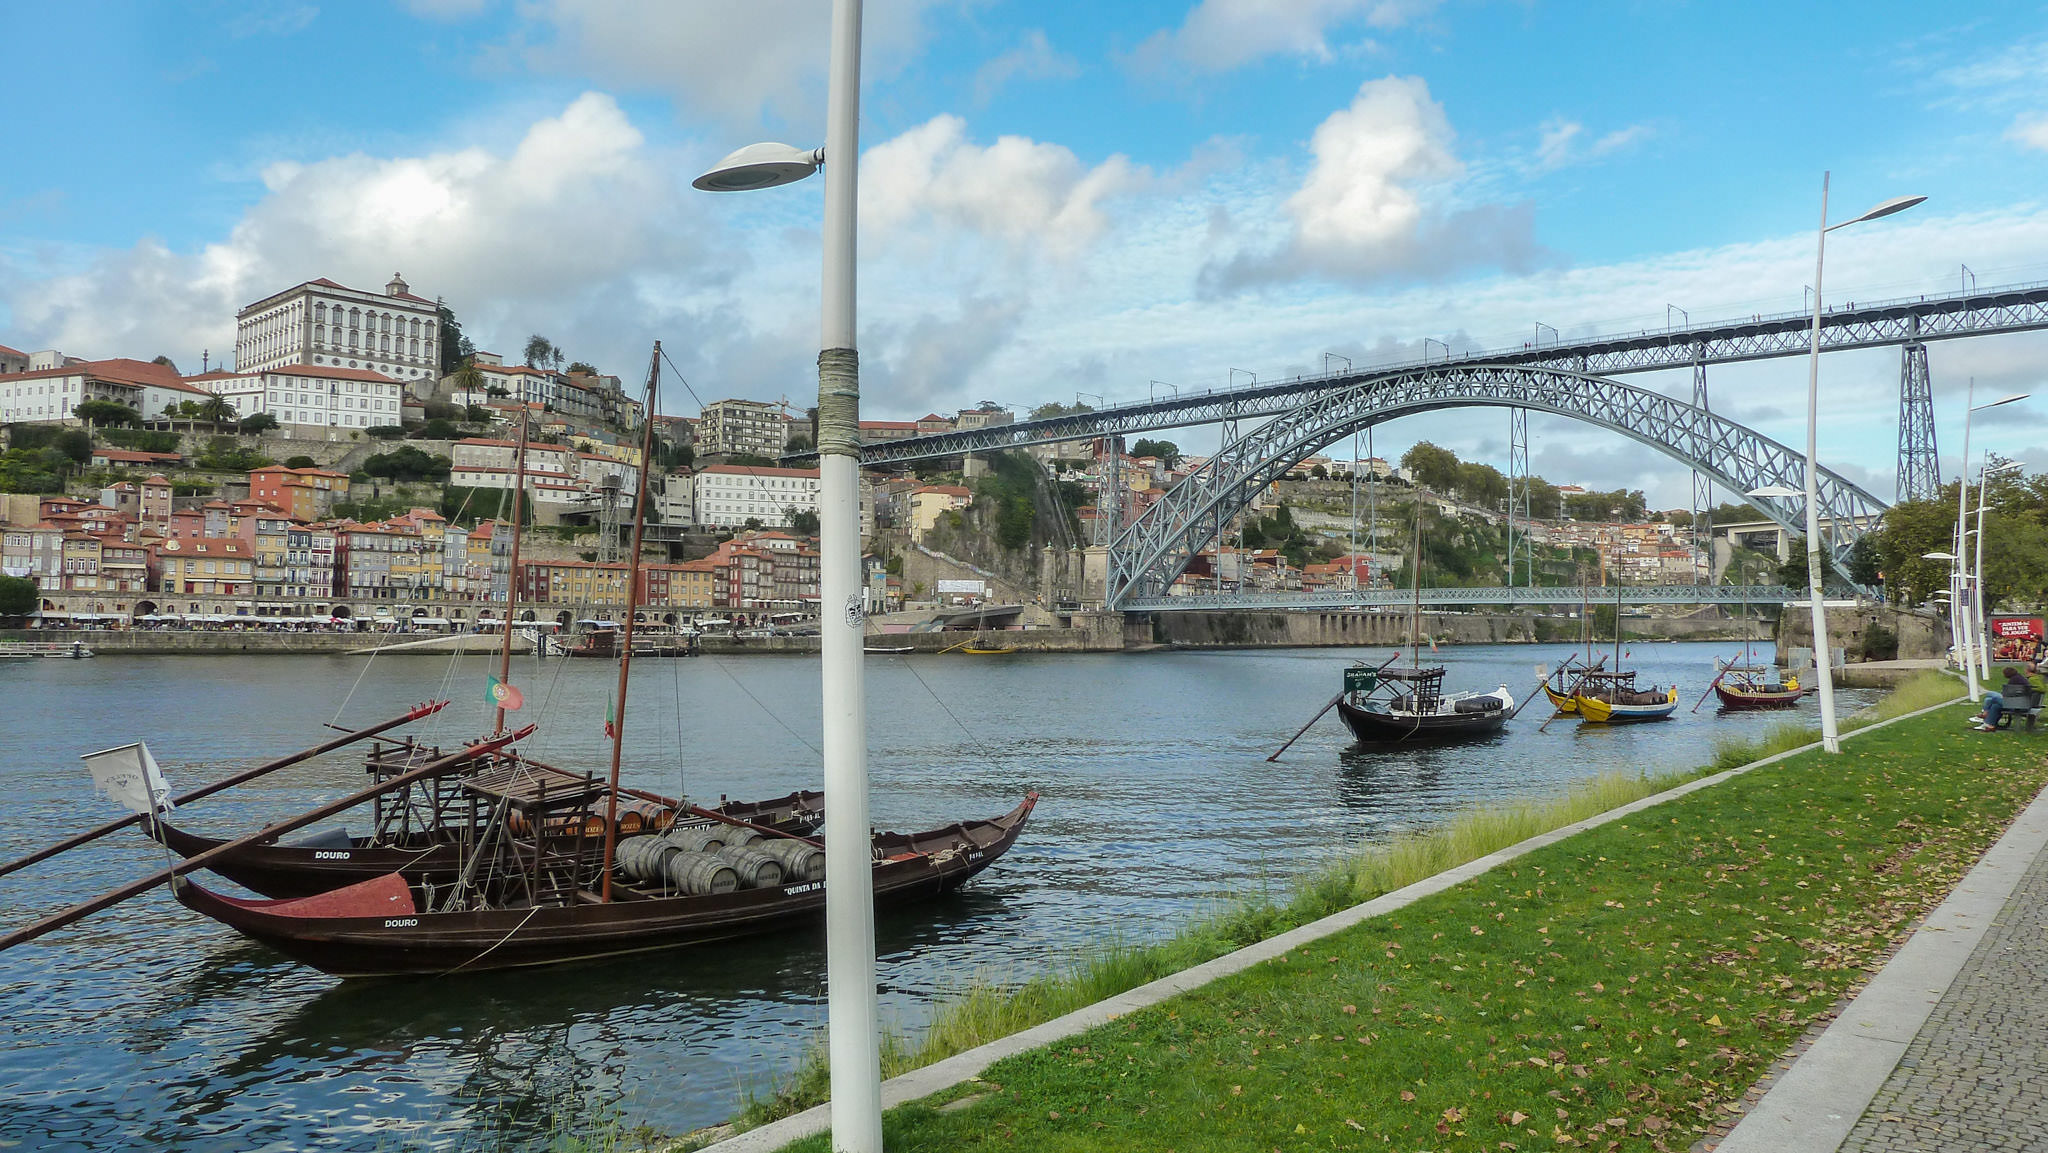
{"x": 1947, "y": 1047}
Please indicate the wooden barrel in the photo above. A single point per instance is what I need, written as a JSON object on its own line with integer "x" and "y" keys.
{"x": 698, "y": 838}
{"x": 740, "y": 835}
{"x": 701, "y": 874}
{"x": 757, "y": 870}
{"x": 800, "y": 861}
{"x": 639, "y": 816}
{"x": 646, "y": 858}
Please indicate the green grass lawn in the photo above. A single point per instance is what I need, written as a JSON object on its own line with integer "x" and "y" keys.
{"x": 1618, "y": 990}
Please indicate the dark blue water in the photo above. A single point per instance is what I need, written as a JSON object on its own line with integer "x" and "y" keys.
{"x": 148, "y": 1026}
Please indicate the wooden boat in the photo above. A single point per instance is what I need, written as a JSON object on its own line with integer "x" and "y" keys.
{"x": 1414, "y": 707}
{"x": 1612, "y": 698}
{"x": 1562, "y": 685}
{"x": 432, "y": 851}
{"x": 891, "y": 649}
{"x": 1742, "y": 688}
{"x": 390, "y": 926}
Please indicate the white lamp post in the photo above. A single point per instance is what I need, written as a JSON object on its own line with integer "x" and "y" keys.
{"x": 853, "y": 1017}
{"x": 1977, "y": 603}
{"x": 1964, "y": 600}
{"x": 1955, "y": 619}
{"x": 1830, "y": 738}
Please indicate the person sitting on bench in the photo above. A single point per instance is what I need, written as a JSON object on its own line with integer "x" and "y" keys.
{"x": 2014, "y": 690}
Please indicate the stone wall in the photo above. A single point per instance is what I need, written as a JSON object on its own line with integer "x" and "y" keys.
{"x": 1922, "y": 636}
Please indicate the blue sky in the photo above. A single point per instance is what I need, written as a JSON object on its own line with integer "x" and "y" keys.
{"x": 1058, "y": 198}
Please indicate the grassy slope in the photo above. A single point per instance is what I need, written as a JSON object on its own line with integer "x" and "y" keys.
{"x": 1614, "y": 990}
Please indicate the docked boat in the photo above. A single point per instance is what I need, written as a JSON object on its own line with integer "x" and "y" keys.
{"x": 1743, "y": 688}
{"x": 662, "y": 897}
{"x": 1388, "y": 704}
{"x": 1612, "y": 698}
{"x": 423, "y": 833}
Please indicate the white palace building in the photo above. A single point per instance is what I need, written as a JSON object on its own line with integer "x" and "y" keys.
{"x": 324, "y": 325}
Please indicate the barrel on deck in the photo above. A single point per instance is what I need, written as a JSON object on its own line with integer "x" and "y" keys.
{"x": 698, "y": 838}
{"x": 757, "y": 870}
{"x": 702, "y": 874}
{"x": 646, "y": 858}
{"x": 801, "y": 861}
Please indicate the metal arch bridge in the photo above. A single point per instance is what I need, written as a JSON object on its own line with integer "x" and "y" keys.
{"x": 1464, "y": 597}
{"x": 1908, "y": 322}
{"x": 1149, "y": 555}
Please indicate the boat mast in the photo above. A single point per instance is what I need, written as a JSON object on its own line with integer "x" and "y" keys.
{"x": 1415, "y": 609}
{"x": 512, "y": 574}
{"x": 611, "y": 814}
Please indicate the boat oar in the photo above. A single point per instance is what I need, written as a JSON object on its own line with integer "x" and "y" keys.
{"x": 199, "y": 860}
{"x": 1542, "y": 678}
{"x": 424, "y": 710}
{"x": 1312, "y": 720}
{"x": 1710, "y": 686}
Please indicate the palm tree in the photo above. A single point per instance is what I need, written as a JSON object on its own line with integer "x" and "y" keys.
{"x": 216, "y": 410}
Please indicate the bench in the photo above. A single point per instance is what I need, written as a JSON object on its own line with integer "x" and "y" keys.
{"x": 2029, "y": 707}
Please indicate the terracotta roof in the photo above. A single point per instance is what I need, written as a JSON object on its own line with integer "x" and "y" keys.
{"x": 331, "y": 372}
{"x": 11, "y": 351}
{"x": 120, "y": 370}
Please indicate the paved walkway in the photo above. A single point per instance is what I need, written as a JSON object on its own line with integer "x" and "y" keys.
{"x": 1947, "y": 1047}
{"x": 1976, "y": 1076}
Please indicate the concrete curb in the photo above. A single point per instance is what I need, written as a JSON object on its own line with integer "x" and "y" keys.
{"x": 1812, "y": 1107}
{"x": 920, "y": 1083}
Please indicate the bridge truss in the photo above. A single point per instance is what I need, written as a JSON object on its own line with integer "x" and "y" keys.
{"x": 1157, "y": 548}
{"x": 1467, "y": 597}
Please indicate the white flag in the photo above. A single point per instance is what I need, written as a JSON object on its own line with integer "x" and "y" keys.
{"x": 129, "y": 777}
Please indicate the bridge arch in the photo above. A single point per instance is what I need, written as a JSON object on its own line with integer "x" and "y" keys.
{"x": 1147, "y": 557}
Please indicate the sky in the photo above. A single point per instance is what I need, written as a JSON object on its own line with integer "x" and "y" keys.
{"x": 1059, "y": 201}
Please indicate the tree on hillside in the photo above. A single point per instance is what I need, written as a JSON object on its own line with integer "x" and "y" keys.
{"x": 539, "y": 351}
{"x": 300, "y": 461}
{"x": 801, "y": 521}
{"x": 1482, "y": 484}
{"x": 1055, "y": 408}
{"x": 215, "y": 409}
{"x": 167, "y": 362}
{"x": 1167, "y": 451}
{"x": 258, "y": 422}
{"x": 105, "y": 413}
{"x": 1431, "y": 466}
{"x": 455, "y": 346}
{"x": 584, "y": 367}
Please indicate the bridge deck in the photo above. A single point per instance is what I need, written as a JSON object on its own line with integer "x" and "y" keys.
{"x": 1572, "y": 595}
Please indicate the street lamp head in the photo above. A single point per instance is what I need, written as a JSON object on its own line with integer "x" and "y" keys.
{"x": 760, "y": 166}
{"x": 1937, "y": 556}
{"x": 1895, "y": 204}
{"x": 2001, "y": 400}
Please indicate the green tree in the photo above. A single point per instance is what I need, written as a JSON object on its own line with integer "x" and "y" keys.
{"x": 801, "y": 521}
{"x": 798, "y": 442}
{"x": 17, "y": 596}
{"x": 258, "y": 422}
{"x": 476, "y": 414}
{"x": 1431, "y": 466}
{"x": 105, "y": 413}
{"x": 1167, "y": 451}
{"x": 539, "y": 351}
{"x": 167, "y": 362}
{"x": 584, "y": 367}
{"x": 1482, "y": 484}
{"x": 440, "y": 428}
{"x": 407, "y": 463}
{"x": 216, "y": 410}
{"x": 1792, "y": 571}
{"x": 1053, "y": 408}
{"x": 300, "y": 461}
{"x": 455, "y": 347}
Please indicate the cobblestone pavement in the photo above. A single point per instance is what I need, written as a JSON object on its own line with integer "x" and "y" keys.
{"x": 1976, "y": 1075}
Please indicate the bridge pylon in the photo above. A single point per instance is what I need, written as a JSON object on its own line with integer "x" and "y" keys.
{"x": 1919, "y": 462}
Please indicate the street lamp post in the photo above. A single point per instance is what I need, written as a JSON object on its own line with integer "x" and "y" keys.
{"x": 1978, "y": 603}
{"x": 1962, "y": 613}
{"x": 853, "y": 1016}
{"x": 1830, "y": 737}
{"x": 1953, "y": 597}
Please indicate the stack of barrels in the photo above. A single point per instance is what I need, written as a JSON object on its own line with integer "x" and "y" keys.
{"x": 700, "y": 860}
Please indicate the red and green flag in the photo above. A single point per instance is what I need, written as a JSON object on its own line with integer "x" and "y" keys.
{"x": 502, "y": 695}
{"x": 611, "y": 720}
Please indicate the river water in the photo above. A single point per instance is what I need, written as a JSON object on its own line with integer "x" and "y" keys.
{"x": 150, "y": 1027}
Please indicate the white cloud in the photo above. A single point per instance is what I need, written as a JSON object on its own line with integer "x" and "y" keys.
{"x": 1377, "y": 200}
{"x": 1028, "y": 194}
{"x": 1220, "y": 35}
{"x": 2031, "y": 132}
{"x": 1034, "y": 58}
{"x": 1554, "y": 148}
{"x": 733, "y": 62}
{"x": 1561, "y": 142}
{"x": 516, "y": 241}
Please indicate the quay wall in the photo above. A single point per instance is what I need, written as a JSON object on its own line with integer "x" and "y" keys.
{"x": 1336, "y": 628}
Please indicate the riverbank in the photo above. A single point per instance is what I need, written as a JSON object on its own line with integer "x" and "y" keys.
{"x": 1551, "y": 1000}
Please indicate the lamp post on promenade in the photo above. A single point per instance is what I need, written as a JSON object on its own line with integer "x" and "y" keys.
{"x": 1961, "y": 608}
{"x": 852, "y": 1014}
{"x": 1977, "y": 602}
{"x": 1830, "y": 737}
{"x": 1954, "y": 598}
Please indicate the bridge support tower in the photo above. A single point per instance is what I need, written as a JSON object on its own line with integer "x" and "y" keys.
{"x": 1702, "y": 484}
{"x": 1919, "y": 464}
{"x": 1521, "y": 552}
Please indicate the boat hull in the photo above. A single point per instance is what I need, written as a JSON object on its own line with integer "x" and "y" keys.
{"x": 373, "y": 933}
{"x": 1562, "y": 702}
{"x": 288, "y": 871}
{"x": 1743, "y": 700}
{"x": 1378, "y": 726}
{"x": 1602, "y": 712}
